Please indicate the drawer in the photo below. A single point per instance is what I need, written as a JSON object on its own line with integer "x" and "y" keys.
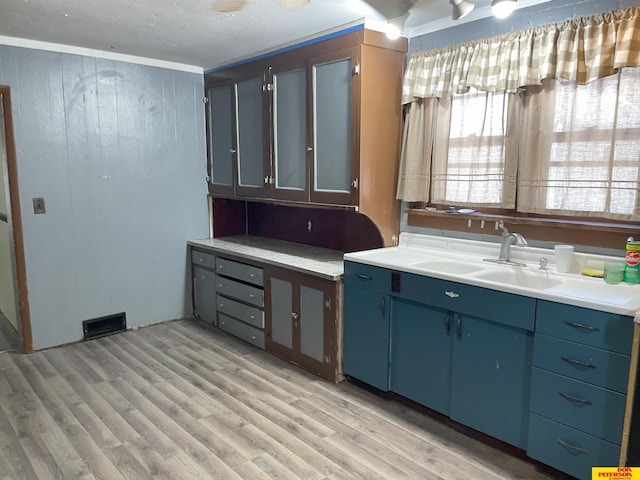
{"x": 241, "y": 330}
{"x": 247, "y": 314}
{"x": 590, "y": 327}
{"x": 240, "y": 291}
{"x": 582, "y": 362}
{"x": 377, "y": 279}
{"x": 507, "y": 308}
{"x": 567, "y": 449}
{"x": 199, "y": 257}
{"x": 589, "y": 408}
{"x": 239, "y": 271}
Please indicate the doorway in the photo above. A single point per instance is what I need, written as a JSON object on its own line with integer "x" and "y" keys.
{"x": 15, "y": 326}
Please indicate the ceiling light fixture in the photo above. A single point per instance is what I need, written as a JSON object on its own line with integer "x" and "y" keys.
{"x": 460, "y": 8}
{"x": 503, "y": 8}
{"x": 395, "y": 26}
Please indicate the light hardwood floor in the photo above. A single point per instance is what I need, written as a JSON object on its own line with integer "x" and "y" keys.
{"x": 181, "y": 400}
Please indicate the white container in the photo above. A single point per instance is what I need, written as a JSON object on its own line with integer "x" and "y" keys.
{"x": 564, "y": 257}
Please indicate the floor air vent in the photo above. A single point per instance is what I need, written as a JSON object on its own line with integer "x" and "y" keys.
{"x": 100, "y": 327}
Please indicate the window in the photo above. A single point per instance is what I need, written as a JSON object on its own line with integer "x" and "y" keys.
{"x": 566, "y": 149}
{"x": 585, "y": 159}
{"x": 473, "y": 163}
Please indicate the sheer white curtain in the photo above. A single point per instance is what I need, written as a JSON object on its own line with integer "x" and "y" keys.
{"x": 475, "y": 150}
{"x": 580, "y": 148}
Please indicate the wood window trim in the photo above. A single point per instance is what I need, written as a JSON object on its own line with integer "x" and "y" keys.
{"x": 570, "y": 230}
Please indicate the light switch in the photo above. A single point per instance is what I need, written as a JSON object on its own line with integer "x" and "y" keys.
{"x": 38, "y": 205}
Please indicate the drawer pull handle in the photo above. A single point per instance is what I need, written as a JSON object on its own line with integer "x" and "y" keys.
{"x": 253, "y": 317}
{"x": 251, "y": 295}
{"x": 364, "y": 277}
{"x": 581, "y": 326}
{"x": 220, "y": 285}
{"x": 574, "y": 399}
{"x": 221, "y": 305}
{"x": 220, "y": 266}
{"x": 577, "y": 363}
{"x": 382, "y": 307}
{"x": 451, "y": 294}
{"x": 573, "y": 448}
{"x": 459, "y": 327}
{"x": 252, "y": 275}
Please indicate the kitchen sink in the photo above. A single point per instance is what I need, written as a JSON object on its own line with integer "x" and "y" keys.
{"x": 457, "y": 268}
{"x": 520, "y": 277}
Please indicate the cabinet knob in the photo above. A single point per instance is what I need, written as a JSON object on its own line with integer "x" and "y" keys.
{"x": 309, "y": 149}
{"x": 251, "y": 295}
{"x": 220, "y": 285}
{"x": 451, "y": 294}
{"x": 294, "y": 315}
{"x": 221, "y": 305}
{"x": 232, "y": 151}
{"x": 252, "y": 317}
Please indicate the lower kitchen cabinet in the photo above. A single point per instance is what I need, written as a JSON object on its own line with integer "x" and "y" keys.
{"x": 474, "y": 370}
{"x": 420, "y": 354}
{"x": 204, "y": 294}
{"x": 203, "y": 278}
{"x": 490, "y": 378}
{"x": 302, "y": 320}
{"x": 366, "y": 336}
{"x": 546, "y": 377}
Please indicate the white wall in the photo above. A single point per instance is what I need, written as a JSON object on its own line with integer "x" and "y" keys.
{"x": 118, "y": 152}
{"x": 7, "y": 297}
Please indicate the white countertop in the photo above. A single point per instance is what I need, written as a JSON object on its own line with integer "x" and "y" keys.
{"x": 316, "y": 261}
{"x": 441, "y": 257}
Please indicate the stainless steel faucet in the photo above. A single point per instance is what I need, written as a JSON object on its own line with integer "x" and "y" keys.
{"x": 508, "y": 239}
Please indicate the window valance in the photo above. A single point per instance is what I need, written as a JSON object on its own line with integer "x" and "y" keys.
{"x": 581, "y": 50}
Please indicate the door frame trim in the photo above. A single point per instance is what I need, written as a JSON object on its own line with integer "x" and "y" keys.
{"x": 24, "y": 317}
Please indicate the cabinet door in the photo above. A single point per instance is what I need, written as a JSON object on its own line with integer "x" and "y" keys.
{"x": 334, "y": 92}
{"x": 280, "y": 317}
{"x": 317, "y": 330}
{"x": 290, "y": 135}
{"x": 252, "y": 158}
{"x": 491, "y": 369}
{"x": 421, "y": 354}
{"x": 220, "y": 125}
{"x": 204, "y": 294}
{"x": 366, "y": 336}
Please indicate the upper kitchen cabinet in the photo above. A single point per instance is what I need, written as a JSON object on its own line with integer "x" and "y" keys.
{"x": 290, "y": 172}
{"x": 318, "y": 125}
{"x": 221, "y": 144}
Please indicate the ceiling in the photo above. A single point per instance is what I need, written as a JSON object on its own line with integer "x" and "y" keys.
{"x": 190, "y": 32}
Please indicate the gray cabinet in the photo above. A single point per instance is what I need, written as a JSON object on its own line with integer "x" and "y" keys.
{"x": 203, "y": 282}
{"x": 302, "y": 320}
{"x": 240, "y": 300}
{"x": 204, "y": 295}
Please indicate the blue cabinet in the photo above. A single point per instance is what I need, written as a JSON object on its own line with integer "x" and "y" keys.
{"x": 490, "y": 378}
{"x": 366, "y": 336}
{"x": 366, "y": 314}
{"x": 421, "y": 354}
{"x": 579, "y": 383}
{"x": 430, "y": 350}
